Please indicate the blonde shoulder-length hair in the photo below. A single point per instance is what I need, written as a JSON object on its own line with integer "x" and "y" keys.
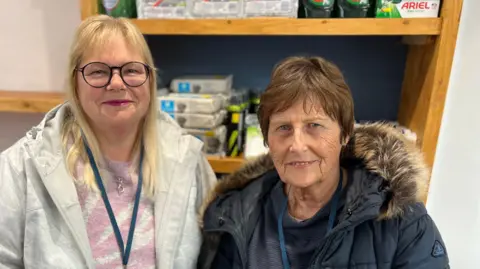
{"x": 92, "y": 34}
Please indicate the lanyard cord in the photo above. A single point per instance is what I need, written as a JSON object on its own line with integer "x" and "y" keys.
{"x": 125, "y": 251}
{"x": 331, "y": 220}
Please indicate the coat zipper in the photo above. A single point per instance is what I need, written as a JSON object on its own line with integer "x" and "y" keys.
{"x": 320, "y": 252}
{"x": 236, "y": 240}
{"x": 319, "y": 255}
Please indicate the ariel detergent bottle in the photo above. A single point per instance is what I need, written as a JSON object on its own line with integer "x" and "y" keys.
{"x": 118, "y": 8}
{"x": 353, "y": 8}
{"x": 318, "y": 8}
{"x": 407, "y": 8}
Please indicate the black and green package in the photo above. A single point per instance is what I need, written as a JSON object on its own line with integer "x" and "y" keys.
{"x": 254, "y": 101}
{"x": 235, "y": 122}
{"x": 318, "y": 8}
{"x": 353, "y": 8}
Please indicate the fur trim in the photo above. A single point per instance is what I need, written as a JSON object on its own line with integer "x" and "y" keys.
{"x": 384, "y": 151}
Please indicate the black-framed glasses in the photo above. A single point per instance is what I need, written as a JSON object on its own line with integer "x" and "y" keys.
{"x": 99, "y": 75}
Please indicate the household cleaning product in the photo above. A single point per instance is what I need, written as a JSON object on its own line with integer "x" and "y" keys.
{"x": 353, "y": 8}
{"x": 407, "y": 8}
{"x": 118, "y": 8}
{"x": 318, "y": 8}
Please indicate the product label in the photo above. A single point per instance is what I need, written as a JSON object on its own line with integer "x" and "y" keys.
{"x": 184, "y": 87}
{"x": 167, "y": 105}
{"x": 418, "y": 6}
{"x": 322, "y": 3}
{"x": 407, "y": 8}
{"x": 358, "y": 2}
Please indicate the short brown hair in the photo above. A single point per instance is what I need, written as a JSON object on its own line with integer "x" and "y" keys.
{"x": 309, "y": 78}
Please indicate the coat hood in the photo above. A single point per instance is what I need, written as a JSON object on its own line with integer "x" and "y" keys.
{"x": 383, "y": 150}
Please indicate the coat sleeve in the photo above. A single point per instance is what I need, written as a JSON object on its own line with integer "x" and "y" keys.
{"x": 12, "y": 215}
{"x": 206, "y": 181}
{"x": 421, "y": 246}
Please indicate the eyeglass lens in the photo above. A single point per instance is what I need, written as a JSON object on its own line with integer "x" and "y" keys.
{"x": 99, "y": 74}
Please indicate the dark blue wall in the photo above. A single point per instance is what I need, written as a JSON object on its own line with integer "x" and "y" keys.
{"x": 373, "y": 66}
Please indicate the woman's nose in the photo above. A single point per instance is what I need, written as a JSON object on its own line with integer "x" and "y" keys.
{"x": 298, "y": 143}
{"x": 116, "y": 83}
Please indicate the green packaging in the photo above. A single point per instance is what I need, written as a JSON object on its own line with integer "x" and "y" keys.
{"x": 354, "y": 8}
{"x": 235, "y": 122}
{"x": 318, "y": 8}
{"x": 118, "y": 8}
{"x": 407, "y": 8}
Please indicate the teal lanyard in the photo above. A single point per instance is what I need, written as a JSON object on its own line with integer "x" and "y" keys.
{"x": 125, "y": 251}
{"x": 331, "y": 221}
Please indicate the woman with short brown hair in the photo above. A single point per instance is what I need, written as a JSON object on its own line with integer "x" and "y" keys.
{"x": 327, "y": 195}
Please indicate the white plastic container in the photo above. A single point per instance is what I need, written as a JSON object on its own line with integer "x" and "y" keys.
{"x": 254, "y": 142}
{"x": 271, "y": 8}
{"x": 202, "y": 84}
{"x": 214, "y": 139}
{"x": 216, "y": 8}
{"x": 163, "y": 9}
{"x": 190, "y": 103}
{"x": 199, "y": 121}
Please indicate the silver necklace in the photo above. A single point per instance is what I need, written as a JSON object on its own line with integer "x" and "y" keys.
{"x": 120, "y": 188}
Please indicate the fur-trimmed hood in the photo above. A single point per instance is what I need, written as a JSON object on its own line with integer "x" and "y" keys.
{"x": 384, "y": 151}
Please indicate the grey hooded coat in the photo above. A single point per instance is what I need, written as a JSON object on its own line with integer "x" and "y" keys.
{"x": 41, "y": 222}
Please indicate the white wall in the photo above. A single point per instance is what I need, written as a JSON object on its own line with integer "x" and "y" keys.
{"x": 35, "y": 37}
{"x": 454, "y": 199}
{"x": 34, "y": 43}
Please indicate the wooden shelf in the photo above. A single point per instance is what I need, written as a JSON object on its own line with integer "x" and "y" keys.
{"x": 36, "y": 102}
{"x": 225, "y": 165}
{"x": 285, "y": 26}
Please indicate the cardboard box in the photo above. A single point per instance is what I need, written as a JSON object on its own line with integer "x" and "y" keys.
{"x": 202, "y": 84}
{"x": 407, "y": 8}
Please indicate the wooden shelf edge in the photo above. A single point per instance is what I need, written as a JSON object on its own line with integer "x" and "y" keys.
{"x": 31, "y": 102}
{"x": 225, "y": 165}
{"x": 288, "y": 26}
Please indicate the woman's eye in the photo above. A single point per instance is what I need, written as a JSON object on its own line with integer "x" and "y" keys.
{"x": 97, "y": 73}
{"x": 314, "y": 125}
{"x": 283, "y": 128}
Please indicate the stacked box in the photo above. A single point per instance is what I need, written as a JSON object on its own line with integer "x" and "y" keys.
{"x": 193, "y": 9}
{"x": 198, "y": 104}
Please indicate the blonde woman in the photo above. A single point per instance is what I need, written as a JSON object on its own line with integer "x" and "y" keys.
{"x": 105, "y": 180}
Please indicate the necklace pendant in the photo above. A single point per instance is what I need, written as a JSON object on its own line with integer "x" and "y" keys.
{"x": 120, "y": 188}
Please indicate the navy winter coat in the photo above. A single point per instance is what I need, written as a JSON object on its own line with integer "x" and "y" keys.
{"x": 383, "y": 225}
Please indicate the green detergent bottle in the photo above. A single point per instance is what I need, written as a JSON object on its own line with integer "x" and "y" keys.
{"x": 118, "y": 8}
{"x": 353, "y": 8}
{"x": 318, "y": 8}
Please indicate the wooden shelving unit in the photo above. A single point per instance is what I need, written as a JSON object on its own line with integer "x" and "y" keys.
{"x": 283, "y": 26}
{"x": 431, "y": 49}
